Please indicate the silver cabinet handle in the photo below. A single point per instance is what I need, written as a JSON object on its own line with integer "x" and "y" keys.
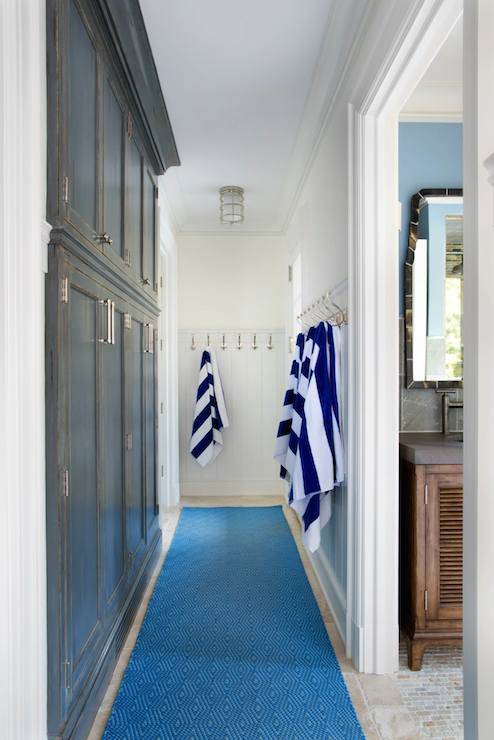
{"x": 113, "y": 322}
{"x": 149, "y": 339}
{"x": 110, "y": 321}
{"x": 107, "y": 339}
{"x": 106, "y": 238}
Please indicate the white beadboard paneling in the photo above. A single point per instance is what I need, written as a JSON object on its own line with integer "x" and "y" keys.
{"x": 253, "y": 384}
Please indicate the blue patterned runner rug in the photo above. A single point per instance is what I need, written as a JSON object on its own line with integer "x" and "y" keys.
{"x": 233, "y": 646}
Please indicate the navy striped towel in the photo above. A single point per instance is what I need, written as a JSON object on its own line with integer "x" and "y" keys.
{"x": 210, "y": 415}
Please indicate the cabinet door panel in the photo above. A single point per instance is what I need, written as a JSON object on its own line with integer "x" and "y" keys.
{"x": 133, "y": 216}
{"x": 150, "y": 437}
{"x": 135, "y": 508}
{"x": 112, "y": 462}
{"x": 113, "y": 167}
{"x": 82, "y": 126}
{"x": 83, "y": 546}
{"x": 444, "y": 546}
{"x": 149, "y": 230}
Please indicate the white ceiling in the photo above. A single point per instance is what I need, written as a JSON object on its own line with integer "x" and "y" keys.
{"x": 236, "y": 78}
{"x": 439, "y": 94}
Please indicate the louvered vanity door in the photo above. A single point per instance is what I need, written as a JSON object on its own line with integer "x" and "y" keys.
{"x": 444, "y": 546}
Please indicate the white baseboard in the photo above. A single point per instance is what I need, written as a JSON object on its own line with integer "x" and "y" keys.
{"x": 233, "y": 488}
{"x": 331, "y": 589}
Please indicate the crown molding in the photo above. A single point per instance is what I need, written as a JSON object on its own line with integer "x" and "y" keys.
{"x": 332, "y": 66}
{"x": 426, "y": 117}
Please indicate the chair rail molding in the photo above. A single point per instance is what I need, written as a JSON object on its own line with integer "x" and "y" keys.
{"x": 23, "y": 247}
{"x": 373, "y": 327}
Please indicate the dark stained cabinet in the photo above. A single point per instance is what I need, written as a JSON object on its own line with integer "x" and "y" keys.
{"x": 108, "y": 140}
{"x": 113, "y": 190}
{"x": 81, "y": 506}
{"x": 149, "y": 195}
{"x": 80, "y": 178}
{"x": 431, "y": 556}
{"x": 135, "y": 442}
{"x": 150, "y": 428}
{"x": 133, "y": 208}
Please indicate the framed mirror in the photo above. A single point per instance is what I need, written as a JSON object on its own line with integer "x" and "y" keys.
{"x": 434, "y": 290}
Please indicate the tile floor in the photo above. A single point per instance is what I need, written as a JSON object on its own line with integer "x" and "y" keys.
{"x": 406, "y": 706}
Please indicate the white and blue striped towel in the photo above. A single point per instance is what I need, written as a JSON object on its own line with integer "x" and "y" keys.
{"x": 285, "y": 425}
{"x": 210, "y": 415}
{"x": 314, "y": 453}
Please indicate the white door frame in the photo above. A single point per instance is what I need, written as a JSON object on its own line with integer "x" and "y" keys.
{"x": 373, "y": 335}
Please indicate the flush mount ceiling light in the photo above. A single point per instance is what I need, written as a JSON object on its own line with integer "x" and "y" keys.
{"x": 231, "y": 205}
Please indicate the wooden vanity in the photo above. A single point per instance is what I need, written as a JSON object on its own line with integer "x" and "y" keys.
{"x": 431, "y": 542}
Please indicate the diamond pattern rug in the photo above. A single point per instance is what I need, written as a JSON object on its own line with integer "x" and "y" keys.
{"x": 233, "y": 646}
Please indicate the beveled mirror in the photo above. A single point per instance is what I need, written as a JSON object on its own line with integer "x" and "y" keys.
{"x": 434, "y": 290}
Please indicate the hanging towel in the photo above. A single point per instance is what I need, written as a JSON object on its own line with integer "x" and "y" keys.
{"x": 319, "y": 461}
{"x": 285, "y": 425}
{"x": 314, "y": 462}
{"x": 210, "y": 415}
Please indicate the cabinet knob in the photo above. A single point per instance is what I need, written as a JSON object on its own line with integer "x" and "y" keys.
{"x": 146, "y": 281}
{"x": 106, "y": 238}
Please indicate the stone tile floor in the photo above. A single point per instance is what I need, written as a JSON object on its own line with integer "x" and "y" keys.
{"x": 406, "y": 706}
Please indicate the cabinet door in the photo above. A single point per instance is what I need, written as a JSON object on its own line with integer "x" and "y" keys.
{"x": 112, "y": 452}
{"x": 149, "y": 231}
{"x": 82, "y": 516}
{"x": 133, "y": 208}
{"x": 81, "y": 148}
{"x": 135, "y": 439}
{"x": 113, "y": 168}
{"x": 150, "y": 425}
{"x": 444, "y": 546}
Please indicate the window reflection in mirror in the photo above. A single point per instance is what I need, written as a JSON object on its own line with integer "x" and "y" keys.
{"x": 434, "y": 289}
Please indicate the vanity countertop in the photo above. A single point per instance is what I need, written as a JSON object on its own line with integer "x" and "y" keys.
{"x": 431, "y": 448}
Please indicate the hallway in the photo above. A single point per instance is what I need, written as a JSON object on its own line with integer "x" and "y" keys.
{"x": 383, "y": 708}
{"x": 246, "y": 292}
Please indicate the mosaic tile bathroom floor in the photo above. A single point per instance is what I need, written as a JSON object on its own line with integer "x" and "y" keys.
{"x": 434, "y": 695}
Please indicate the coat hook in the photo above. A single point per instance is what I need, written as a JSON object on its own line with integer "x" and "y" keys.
{"x": 223, "y": 343}
{"x": 193, "y": 344}
{"x": 254, "y": 343}
{"x": 270, "y": 342}
{"x": 239, "y": 343}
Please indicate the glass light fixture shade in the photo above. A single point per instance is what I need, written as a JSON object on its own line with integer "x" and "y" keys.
{"x": 231, "y": 205}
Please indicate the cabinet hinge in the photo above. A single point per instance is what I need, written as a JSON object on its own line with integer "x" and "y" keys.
{"x": 64, "y": 290}
{"x": 290, "y": 273}
{"x": 128, "y": 441}
{"x": 127, "y": 321}
{"x": 426, "y": 494}
{"x": 162, "y": 471}
{"x": 65, "y": 483}
{"x": 161, "y": 345}
{"x": 65, "y": 189}
{"x": 129, "y": 124}
{"x": 66, "y": 673}
{"x": 426, "y": 600}
{"x": 162, "y": 408}
{"x": 161, "y": 281}
{"x": 127, "y": 257}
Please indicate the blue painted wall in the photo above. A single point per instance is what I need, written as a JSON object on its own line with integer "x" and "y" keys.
{"x": 430, "y": 156}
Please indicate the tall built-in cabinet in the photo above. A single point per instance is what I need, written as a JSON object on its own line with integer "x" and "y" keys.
{"x": 109, "y": 138}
